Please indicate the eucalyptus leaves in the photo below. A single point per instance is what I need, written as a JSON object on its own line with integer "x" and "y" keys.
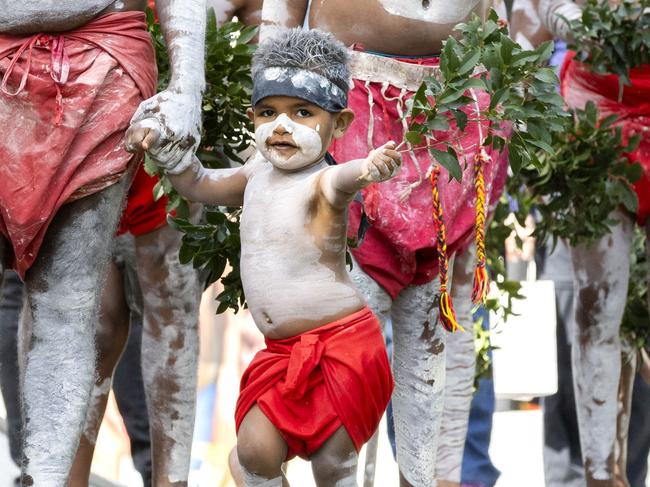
{"x": 613, "y": 40}
{"x": 523, "y": 96}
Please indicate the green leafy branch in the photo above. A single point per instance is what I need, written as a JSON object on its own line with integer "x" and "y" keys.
{"x": 584, "y": 179}
{"x": 612, "y": 40}
{"x": 524, "y": 109}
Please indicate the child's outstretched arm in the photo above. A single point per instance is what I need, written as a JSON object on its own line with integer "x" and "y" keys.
{"x": 340, "y": 183}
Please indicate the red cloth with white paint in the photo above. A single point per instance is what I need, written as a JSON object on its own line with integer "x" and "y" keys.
{"x": 399, "y": 249}
{"x": 579, "y": 85}
{"x": 66, "y": 102}
{"x": 143, "y": 214}
{"x": 310, "y": 385}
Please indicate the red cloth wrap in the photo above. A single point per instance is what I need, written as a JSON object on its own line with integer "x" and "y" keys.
{"x": 311, "y": 384}
{"x": 399, "y": 249}
{"x": 578, "y": 85}
{"x": 142, "y": 214}
{"x": 73, "y": 97}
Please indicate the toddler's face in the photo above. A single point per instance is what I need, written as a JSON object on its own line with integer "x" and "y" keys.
{"x": 292, "y": 133}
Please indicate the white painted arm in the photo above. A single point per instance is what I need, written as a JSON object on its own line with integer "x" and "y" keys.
{"x": 339, "y": 184}
{"x": 223, "y": 187}
{"x": 175, "y": 113}
{"x": 282, "y": 14}
{"x": 551, "y": 13}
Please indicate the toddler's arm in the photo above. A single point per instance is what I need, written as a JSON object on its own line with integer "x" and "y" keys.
{"x": 340, "y": 183}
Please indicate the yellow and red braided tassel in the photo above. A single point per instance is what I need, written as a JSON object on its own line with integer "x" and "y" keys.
{"x": 445, "y": 305}
{"x": 481, "y": 278}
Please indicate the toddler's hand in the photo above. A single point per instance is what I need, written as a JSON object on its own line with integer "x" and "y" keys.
{"x": 381, "y": 164}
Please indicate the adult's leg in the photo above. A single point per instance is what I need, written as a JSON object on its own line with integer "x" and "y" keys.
{"x": 63, "y": 293}
{"x": 562, "y": 455}
{"x": 11, "y": 301}
{"x": 335, "y": 463}
{"x": 171, "y": 294}
{"x": 459, "y": 381}
{"x": 419, "y": 369}
{"x": 110, "y": 340}
{"x": 639, "y": 437}
{"x": 601, "y": 273}
{"x": 128, "y": 384}
{"x": 380, "y": 303}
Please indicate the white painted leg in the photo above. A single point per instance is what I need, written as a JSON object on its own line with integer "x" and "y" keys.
{"x": 601, "y": 273}
{"x": 419, "y": 369}
{"x": 63, "y": 289}
{"x": 170, "y": 348}
{"x": 460, "y": 370}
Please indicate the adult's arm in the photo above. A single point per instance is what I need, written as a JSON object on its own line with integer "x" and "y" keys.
{"x": 168, "y": 125}
{"x": 551, "y": 13}
{"x": 277, "y": 14}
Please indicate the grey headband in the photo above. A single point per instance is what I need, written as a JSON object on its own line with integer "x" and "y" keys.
{"x": 299, "y": 83}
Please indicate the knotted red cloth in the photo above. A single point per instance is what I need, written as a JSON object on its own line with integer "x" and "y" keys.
{"x": 66, "y": 101}
{"x": 578, "y": 85}
{"x": 311, "y": 384}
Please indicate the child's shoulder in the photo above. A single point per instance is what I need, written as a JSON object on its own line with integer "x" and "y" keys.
{"x": 254, "y": 164}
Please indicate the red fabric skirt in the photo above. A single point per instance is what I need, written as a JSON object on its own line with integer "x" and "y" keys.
{"x": 142, "y": 213}
{"x": 579, "y": 85}
{"x": 310, "y": 385}
{"x": 66, "y": 102}
{"x": 399, "y": 249}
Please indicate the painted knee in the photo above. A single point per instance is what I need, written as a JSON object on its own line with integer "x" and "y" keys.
{"x": 330, "y": 469}
{"x": 257, "y": 460}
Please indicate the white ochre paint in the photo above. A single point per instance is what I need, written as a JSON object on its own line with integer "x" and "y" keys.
{"x": 307, "y": 139}
{"x": 438, "y": 11}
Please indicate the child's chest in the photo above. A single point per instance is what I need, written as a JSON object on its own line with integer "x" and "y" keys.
{"x": 277, "y": 208}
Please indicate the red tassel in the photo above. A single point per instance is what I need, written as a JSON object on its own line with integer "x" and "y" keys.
{"x": 481, "y": 278}
{"x": 445, "y": 305}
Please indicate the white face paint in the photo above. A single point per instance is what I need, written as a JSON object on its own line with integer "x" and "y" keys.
{"x": 306, "y": 139}
{"x": 435, "y": 11}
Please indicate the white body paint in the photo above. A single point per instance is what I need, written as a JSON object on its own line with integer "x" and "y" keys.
{"x": 308, "y": 142}
{"x": 170, "y": 352}
{"x": 254, "y": 480}
{"x": 60, "y": 313}
{"x": 27, "y": 16}
{"x": 551, "y": 13}
{"x": 438, "y": 11}
{"x": 283, "y": 277}
{"x": 460, "y": 369}
{"x": 419, "y": 370}
{"x": 177, "y": 110}
{"x": 275, "y": 15}
{"x": 601, "y": 274}
{"x": 94, "y": 410}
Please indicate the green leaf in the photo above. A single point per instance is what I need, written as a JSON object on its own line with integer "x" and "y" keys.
{"x": 448, "y": 160}
{"x": 547, "y": 75}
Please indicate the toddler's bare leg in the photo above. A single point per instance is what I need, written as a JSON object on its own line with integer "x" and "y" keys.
{"x": 335, "y": 463}
{"x": 601, "y": 273}
{"x": 419, "y": 369}
{"x": 63, "y": 290}
{"x": 170, "y": 348}
{"x": 261, "y": 451}
{"x": 459, "y": 382}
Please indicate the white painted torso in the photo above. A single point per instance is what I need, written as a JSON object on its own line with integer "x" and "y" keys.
{"x": 433, "y": 11}
{"x": 293, "y": 280}
{"x": 32, "y": 16}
